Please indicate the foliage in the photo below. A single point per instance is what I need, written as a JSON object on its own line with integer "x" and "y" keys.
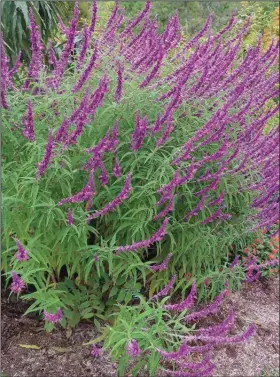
{"x": 264, "y": 21}
{"x": 95, "y": 143}
{"x": 15, "y": 22}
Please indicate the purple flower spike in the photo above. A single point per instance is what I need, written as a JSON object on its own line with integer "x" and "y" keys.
{"x": 166, "y": 289}
{"x": 162, "y": 266}
{"x": 4, "y": 76}
{"x": 42, "y": 166}
{"x": 93, "y": 19}
{"x": 62, "y": 63}
{"x": 86, "y": 74}
{"x": 234, "y": 262}
{"x": 209, "y": 309}
{"x": 118, "y": 93}
{"x": 132, "y": 348}
{"x": 158, "y": 236}
{"x": 220, "y": 329}
{"x": 183, "y": 351}
{"x": 84, "y": 48}
{"x": 28, "y": 123}
{"x": 166, "y": 210}
{"x": 69, "y": 217}
{"x": 53, "y": 318}
{"x": 35, "y": 64}
{"x": 136, "y": 21}
{"x": 117, "y": 169}
{"x": 95, "y": 351}
{"x": 84, "y": 195}
{"x": 139, "y": 132}
{"x": 22, "y": 254}
{"x": 17, "y": 284}
{"x": 215, "y": 340}
{"x": 186, "y": 304}
{"x": 111, "y": 206}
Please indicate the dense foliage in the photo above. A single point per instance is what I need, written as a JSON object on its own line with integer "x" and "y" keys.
{"x": 137, "y": 166}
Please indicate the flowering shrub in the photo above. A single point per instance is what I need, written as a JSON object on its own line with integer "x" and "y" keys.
{"x": 145, "y": 335}
{"x": 135, "y": 161}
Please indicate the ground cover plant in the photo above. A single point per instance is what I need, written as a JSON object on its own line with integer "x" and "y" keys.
{"x": 135, "y": 169}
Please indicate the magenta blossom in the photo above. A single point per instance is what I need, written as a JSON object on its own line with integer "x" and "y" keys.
{"x": 22, "y": 254}
{"x": 54, "y": 318}
{"x": 95, "y": 351}
{"x": 132, "y": 348}
{"x": 162, "y": 266}
{"x": 17, "y": 284}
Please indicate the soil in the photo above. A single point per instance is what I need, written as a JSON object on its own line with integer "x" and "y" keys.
{"x": 60, "y": 355}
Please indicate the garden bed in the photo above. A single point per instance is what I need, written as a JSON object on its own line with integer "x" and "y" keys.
{"x": 60, "y": 355}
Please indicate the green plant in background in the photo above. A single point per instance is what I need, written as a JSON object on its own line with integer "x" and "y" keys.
{"x": 264, "y": 21}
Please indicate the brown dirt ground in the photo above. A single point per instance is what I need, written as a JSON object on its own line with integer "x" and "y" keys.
{"x": 257, "y": 302}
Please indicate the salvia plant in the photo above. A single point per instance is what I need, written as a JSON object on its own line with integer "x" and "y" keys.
{"x": 132, "y": 167}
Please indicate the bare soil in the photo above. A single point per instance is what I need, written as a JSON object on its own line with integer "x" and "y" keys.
{"x": 62, "y": 356}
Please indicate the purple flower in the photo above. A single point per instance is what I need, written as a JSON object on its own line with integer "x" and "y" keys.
{"x": 136, "y": 21}
{"x": 164, "y": 212}
{"x": 218, "y": 201}
{"x": 182, "y": 351}
{"x": 4, "y": 76}
{"x": 42, "y": 166}
{"x": 117, "y": 169}
{"x": 86, "y": 74}
{"x": 28, "y": 124}
{"x": 82, "y": 196}
{"x": 17, "y": 284}
{"x": 165, "y": 135}
{"x": 69, "y": 217}
{"x": 166, "y": 289}
{"x": 111, "y": 206}
{"x": 217, "y": 215}
{"x": 84, "y": 48}
{"x": 157, "y": 126}
{"x": 96, "y": 258}
{"x": 93, "y": 19}
{"x": 209, "y": 309}
{"x": 153, "y": 72}
{"x": 104, "y": 177}
{"x": 132, "y": 348}
{"x": 234, "y": 262}
{"x": 162, "y": 266}
{"x": 95, "y": 351}
{"x": 221, "y": 328}
{"x": 118, "y": 93}
{"x": 224, "y": 340}
{"x": 62, "y": 63}
{"x": 35, "y": 64}
{"x": 61, "y": 134}
{"x": 22, "y": 254}
{"x": 186, "y": 304}
{"x": 156, "y": 237}
{"x": 139, "y": 132}
{"x": 54, "y": 318}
